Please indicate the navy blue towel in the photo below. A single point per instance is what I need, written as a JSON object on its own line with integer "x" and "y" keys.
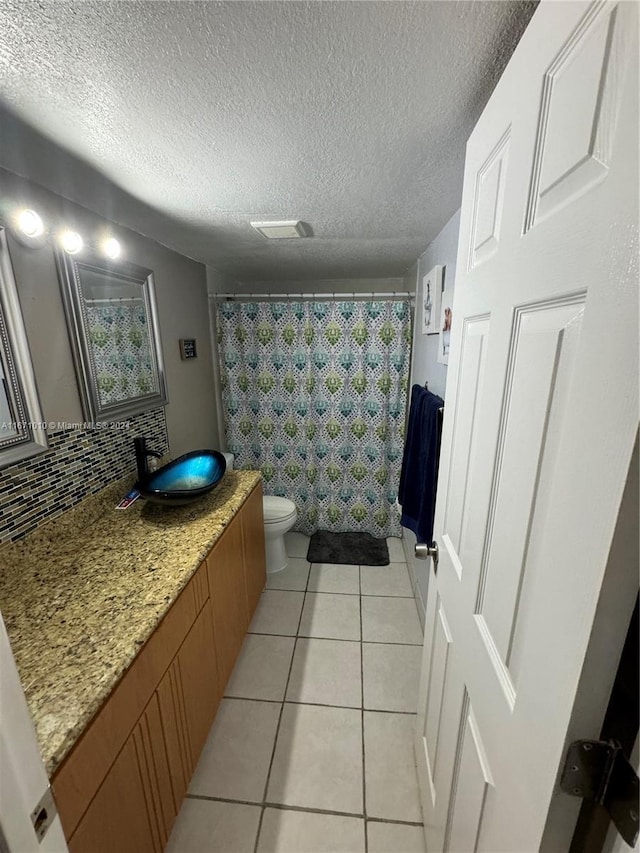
{"x": 419, "y": 474}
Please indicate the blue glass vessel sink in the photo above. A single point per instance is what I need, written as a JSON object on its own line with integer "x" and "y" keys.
{"x": 184, "y": 479}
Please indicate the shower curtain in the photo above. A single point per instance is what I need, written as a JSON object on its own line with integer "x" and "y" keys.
{"x": 314, "y": 396}
{"x": 121, "y": 349}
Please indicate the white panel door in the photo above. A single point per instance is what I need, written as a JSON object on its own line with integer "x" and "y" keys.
{"x": 540, "y": 420}
{"x": 23, "y": 779}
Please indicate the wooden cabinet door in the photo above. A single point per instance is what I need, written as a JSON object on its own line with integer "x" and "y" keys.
{"x": 153, "y": 760}
{"x": 188, "y": 698}
{"x": 225, "y": 565}
{"x": 199, "y": 679}
{"x": 174, "y": 727}
{"x": 252, "y": 519}
{"x": 118, "y": 817}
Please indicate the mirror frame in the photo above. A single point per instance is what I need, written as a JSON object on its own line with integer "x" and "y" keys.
{"x": 15, "y": 356}
{"x": 69, "y": 273}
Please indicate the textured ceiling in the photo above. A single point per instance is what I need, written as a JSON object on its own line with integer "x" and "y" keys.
{"x": 351, "y": 116}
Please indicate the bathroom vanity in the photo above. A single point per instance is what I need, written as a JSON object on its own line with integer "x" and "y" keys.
{"x": 125, "y": 626}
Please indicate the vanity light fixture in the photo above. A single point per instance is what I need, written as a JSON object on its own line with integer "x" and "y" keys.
{"x": 111, "y": 248}
{"x": 71, "y": 242}
{"x": 30, "y": 223}
{"x": 29, "y": 229}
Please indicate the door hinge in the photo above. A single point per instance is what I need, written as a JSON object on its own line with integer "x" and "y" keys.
{"x": 598, "y": 770}
{"x": 43, "y": 814}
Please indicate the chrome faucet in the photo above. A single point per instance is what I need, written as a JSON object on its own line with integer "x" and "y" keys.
{"x": 142, "y": 456}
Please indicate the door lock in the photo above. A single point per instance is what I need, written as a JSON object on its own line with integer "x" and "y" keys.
{"x": 424, "y": 551}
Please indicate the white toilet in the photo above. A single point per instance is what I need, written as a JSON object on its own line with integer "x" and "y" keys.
{"x": 280, "y": 515}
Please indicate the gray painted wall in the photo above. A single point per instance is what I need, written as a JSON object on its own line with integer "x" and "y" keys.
{"x": 425, "y": 367}
{"x": 217, "y": 282}
{"x": 181, "y": 293}
{"x": 424, "y": 362}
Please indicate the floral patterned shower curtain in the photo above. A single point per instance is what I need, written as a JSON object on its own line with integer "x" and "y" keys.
{"x": 121, "y": 349}
{"x": 314, "y": 396}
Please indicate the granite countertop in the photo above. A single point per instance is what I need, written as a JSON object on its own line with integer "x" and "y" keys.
{"x": 82, "y": 594}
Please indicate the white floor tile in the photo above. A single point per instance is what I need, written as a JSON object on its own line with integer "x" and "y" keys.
{"x": 395, "y": 838}
{"x": 296, "y": 544}
{"x": 278, "y": 612}
{"x": 209, "y": 827}
{"x": 391, "y": 677}
{"x": 386, "y": 580}
{"x": 326, "y": 672}
{"x": 262, "y": 668}
{"x": 332, "y": 577}
{"x": 286, "y": 831}
{"x": 396, "y": 551}
{"x": 390, "y": 620}
{"x": 295, "y": 576}
{"x": 235, "y": 760}
{"x": 330, "y": 616}
{"x": 318, "y": 759}
{"x": 390, "y": 770}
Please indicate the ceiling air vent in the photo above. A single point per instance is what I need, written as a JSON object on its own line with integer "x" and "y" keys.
{"x": 280, "y": 230}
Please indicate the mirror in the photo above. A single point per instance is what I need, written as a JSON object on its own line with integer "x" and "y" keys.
{"x": 113, "y": 328}
{"x": 22, "y": 431}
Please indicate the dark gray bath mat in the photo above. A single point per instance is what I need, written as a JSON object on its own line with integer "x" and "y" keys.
{"x": 348, "y": 549}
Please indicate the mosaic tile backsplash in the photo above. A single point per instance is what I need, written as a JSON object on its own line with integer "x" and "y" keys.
{"x": 77, "y": 463}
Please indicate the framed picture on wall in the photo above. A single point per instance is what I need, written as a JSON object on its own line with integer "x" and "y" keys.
{"x": 431, "y": 291}
{"x": 444, "y": 331}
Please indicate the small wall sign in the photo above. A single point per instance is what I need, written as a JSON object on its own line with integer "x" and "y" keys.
{"x": 446, "y": 317}
{"x": 431, "y": 292}
{"x": 188, "y": 348}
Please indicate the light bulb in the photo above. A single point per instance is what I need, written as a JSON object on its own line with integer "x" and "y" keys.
{"x": 30, "y": 223}
{"x": 71, "y": 242}
{"x": 111, "y": 248}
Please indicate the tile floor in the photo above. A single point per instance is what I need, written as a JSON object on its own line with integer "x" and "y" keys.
{"x": 312, "y": 747}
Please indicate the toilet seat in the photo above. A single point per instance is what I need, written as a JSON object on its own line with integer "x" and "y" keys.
{"x": 277, "y": 509}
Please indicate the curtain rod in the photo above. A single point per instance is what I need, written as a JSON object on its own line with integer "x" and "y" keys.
{"x": 393, "y": 294}
{"x": 110, "y": 300}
